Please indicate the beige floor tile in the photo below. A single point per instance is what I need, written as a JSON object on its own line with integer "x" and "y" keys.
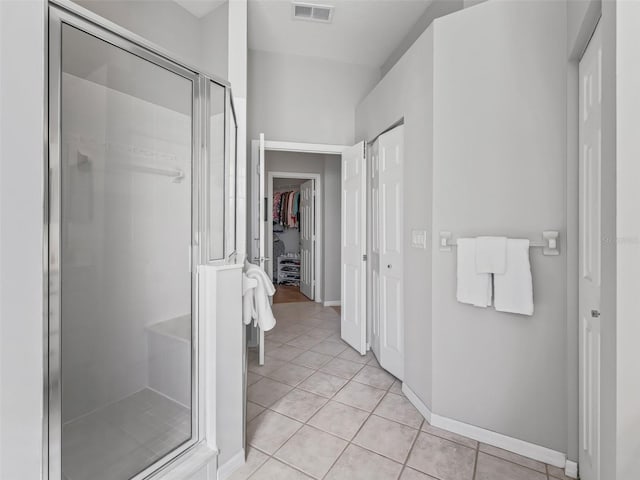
{"x": 557, "y": 473}
{"x": 360, "y": 396}
{"x": 254, "y": 459}
{"x": 304, "y": 341}
{"x": 329, "y": 348}
{"x": 311, "y": 359}
{"x": 270, "y": 364}
{"x": 342, "y": 368}
{"x": 375, "y": 377}
{"x": 339, "y": 419}
{"x": 356, "y": 463}
{"x": 319, "y": 333}
{"x": 387, "y": 438}
{"x": 311, "y": 451}
{"x": 513, "y": 457}
{"x": 494, "y": 468}
{"x": 398, "y": 408}
{"x": 373, "y": 361}
{"x": 411, "y": 474}
{"x": 323, "y": 384}
{"x": 284, "y": 352}
{"x": 269, "y": 430}
{"x": 337, "y": 338}
{"x": 253, "y": 410}
{"x": 441, "y": 458}
{"x": 275, "y": 470}
{"x": 267, "y": 391}
{"x": 454, "y": 437}
{"x": 282, "y": 336}
{"x": 299, "y": 404}
{"x": 354, "y": 356}
{"x": 253, "y": 378}
{"x": 291, "y": 374}
{"x": 396, "y": 388}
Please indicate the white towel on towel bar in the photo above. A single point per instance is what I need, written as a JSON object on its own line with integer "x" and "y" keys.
{"x": 491, "y": 254}
{"x": 473, "y": 288}
{"x": 513, "y": 290}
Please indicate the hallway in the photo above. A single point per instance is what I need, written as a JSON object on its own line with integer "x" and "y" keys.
{"x": 317, "y": 409}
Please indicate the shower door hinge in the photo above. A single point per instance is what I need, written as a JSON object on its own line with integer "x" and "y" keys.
{"x": 364, "y": 257}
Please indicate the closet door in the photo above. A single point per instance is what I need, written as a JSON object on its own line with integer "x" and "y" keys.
{"x": 390, "y": 151}
{"x": 374, "y": 249}
{"x": 307, "y": 239}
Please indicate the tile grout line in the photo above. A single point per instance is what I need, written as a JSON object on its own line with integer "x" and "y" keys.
{"x": 406, "y": 460}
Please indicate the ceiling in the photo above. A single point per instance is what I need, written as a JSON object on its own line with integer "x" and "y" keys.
{"x": 363, "y": 32}
{"x": 199, "y": 8}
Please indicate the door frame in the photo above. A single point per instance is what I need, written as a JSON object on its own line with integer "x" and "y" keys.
{"x": 317, "y": 246}
{"x": 281, "y": 146}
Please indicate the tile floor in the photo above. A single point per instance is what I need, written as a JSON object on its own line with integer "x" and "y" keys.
{"x": 121, "y": 439}
{"x": 317, "y": 409}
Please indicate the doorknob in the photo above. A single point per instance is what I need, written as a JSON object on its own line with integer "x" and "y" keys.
{"x": 389, "y": 266}
{"x": 595, "y": 313}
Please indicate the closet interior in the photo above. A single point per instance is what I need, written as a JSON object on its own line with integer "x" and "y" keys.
{"x": 286, "y": 231}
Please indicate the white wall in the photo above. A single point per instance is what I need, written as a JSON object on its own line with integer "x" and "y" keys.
{"x": 628, "y": 239}
{"x": 499, "y": 155}
{"x": 474, "y": 114}
{"x": 200, "y": 42}
{"x": 406, "y": 92}
{"x": 303, "y": 99}
{"x": 21, "y": 233}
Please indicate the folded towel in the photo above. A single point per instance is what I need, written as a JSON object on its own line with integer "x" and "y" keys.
{"x": 514, "y": 288}
{"x": 473, "y": 288}
{"x": 491, "y": 254}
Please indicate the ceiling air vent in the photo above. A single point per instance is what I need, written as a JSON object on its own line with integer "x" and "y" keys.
{"x": 312, "y": 12}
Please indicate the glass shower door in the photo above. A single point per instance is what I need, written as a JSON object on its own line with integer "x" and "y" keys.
{"x": 122, "y": 204}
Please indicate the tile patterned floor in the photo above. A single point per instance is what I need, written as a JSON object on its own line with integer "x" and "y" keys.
{"x": 318, "y": 410}
{"x": 120, "y": 439}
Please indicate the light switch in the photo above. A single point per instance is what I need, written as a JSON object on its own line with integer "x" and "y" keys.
{"x": 419, "y": 239}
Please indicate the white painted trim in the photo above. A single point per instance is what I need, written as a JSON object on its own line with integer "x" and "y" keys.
{"x": 234, "y": 463}
{"x": 305, "y": 147}
{"x": 332, "y": 303}
{"x": 420, "y": 406}
{"x": 571, "y": 469}
{"x": 526, "y": 449}
{"x": 317, "y": 177}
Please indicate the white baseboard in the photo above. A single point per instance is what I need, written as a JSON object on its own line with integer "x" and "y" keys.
{"x": 571, "y": 469}
{"x": 231, "y": 465}
{"x": 526, "y": 449}
{"x": 332, "y": 303}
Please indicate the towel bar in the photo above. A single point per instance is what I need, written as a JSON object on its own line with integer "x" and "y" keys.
{"x": 549, "y": 245}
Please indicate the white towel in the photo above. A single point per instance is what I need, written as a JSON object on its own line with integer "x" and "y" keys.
{"x": 514, "y": 289}
{"x": 260, "y": 304}
{"x": 473, "y": 288}
{"x": 491, "y": 254}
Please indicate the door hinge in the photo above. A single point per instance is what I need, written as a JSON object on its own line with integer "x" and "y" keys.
{"x": 364, "y": 257}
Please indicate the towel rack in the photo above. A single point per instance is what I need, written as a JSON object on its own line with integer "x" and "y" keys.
{"x": 549, "y": 245}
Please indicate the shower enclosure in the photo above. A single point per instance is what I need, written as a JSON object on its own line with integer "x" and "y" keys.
{"x": 141, "y": 190}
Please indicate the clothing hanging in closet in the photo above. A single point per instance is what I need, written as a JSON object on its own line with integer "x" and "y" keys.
{"x": 286, "y": 209}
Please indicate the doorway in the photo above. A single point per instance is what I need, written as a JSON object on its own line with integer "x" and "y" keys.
{"x": 293, "y": 235}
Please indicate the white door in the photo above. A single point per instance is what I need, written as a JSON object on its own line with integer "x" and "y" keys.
{"x": 258, "y": 200}
{"x": 391, "y": 157}
{"x": 353, "y": 247}
{"x": 590, "y": 254}
{"x": 374, "y": 250}
{"x": 307, "y": 239}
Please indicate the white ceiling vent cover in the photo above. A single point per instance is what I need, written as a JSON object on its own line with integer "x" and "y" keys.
{"x": 312, "y": 12}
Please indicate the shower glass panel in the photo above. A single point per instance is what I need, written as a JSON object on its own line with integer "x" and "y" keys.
{"x": 216, "y": 171}
{"x": 126, "y": 135}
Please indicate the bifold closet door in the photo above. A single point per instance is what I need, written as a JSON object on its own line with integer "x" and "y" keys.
{"x": 120, "y": 238}
{"x": 390, "y": 257}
